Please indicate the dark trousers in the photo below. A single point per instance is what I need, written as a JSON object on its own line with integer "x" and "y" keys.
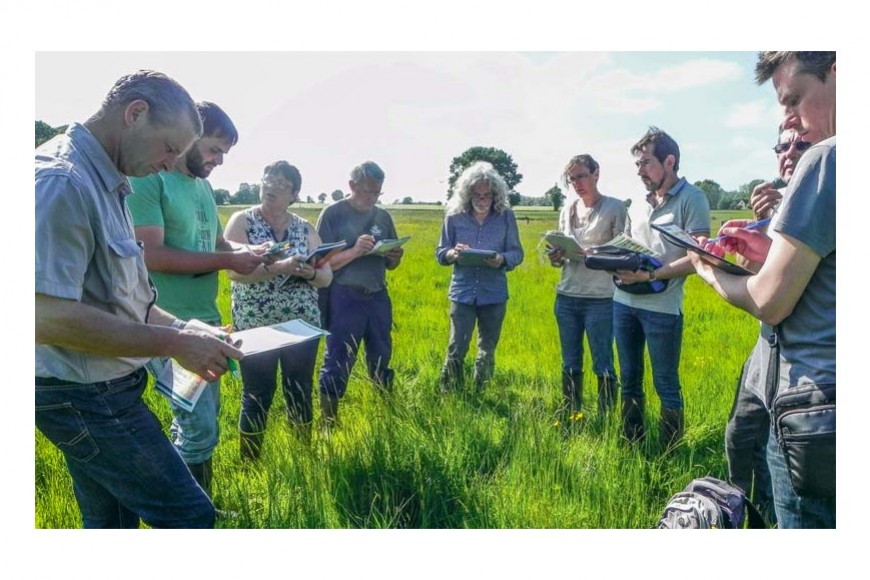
{"x": 356, "y": 317}
{"x": 122, "y": 465}
{"x": 746, "y": 439}
{"x": 259, "y": 383}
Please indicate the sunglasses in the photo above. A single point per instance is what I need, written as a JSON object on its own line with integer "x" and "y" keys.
{"x": 799, "y": 146}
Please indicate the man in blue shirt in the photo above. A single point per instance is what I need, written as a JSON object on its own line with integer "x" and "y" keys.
{"x": 478, "y": 218}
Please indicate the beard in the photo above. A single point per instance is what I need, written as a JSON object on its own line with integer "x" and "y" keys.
{"x": 652, "y": 186}
{"x": 196, "y": 165}
{"x": 481, "y": 207}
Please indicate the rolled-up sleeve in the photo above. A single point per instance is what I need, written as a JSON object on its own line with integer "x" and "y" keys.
{"x": 64, "y": 237}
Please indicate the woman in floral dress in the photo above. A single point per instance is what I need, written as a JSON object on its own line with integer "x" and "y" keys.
{"x": 263, "y": 298}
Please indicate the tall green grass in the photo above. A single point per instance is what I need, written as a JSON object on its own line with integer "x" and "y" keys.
{"x": 417, "y": 459}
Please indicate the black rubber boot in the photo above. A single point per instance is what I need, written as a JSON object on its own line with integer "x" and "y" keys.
{"x": 670, "y": 427}
{"x": 607, "y": 387}
{"x": 632, "y": 419}
{"x": 572, "y": 391}
{"x": 202, "y": 473}
{"x": 250, "y": 446}
{"x": 328, "y": 411}
{"x": 451, "y": 377}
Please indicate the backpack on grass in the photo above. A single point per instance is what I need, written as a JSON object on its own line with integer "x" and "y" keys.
{"x": 708, "y": 503}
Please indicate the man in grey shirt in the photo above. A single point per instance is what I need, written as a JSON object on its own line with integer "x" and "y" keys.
{"x": 96, "y": 323}
{"x": 657, "y": 319}
{"x": 358, "y": 308}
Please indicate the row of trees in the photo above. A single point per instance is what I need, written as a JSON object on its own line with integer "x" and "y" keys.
{"x": 249, "y": 194}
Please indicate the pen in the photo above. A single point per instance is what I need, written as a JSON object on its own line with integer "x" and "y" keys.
{"x": 751, "y": 226}
{"x": 231, "y": 362}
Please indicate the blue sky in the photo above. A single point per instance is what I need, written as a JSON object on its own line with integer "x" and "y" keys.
{"x": 412, "y": 112}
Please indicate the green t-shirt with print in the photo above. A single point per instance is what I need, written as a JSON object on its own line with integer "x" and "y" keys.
{"x": 184, "y": 207}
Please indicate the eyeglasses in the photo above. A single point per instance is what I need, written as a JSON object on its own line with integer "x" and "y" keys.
{"x": 799, "y": 146}
{"x": 277, "y": 183}
{"x": 486, "y": 195}
{"x": 578, "y": 177}
{"x": 371, "y": 193}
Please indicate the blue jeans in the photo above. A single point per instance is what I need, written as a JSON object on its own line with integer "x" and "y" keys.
{"x": 258, "y": 385}
{"x": 195, "y": 433}
{"x": 663, "y": 335}
{"x": 489, "y": 319}
{"x": 793, "y": 510}
{"x": 355, "y": 317}
{"x": 592, "y": 317}
{"x": 122, "y": 465}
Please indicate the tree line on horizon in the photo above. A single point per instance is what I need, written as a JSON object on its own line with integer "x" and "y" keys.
{"x": 249, "y": 194}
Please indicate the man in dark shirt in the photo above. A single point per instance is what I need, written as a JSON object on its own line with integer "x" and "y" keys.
{"x": 358, "y": 306}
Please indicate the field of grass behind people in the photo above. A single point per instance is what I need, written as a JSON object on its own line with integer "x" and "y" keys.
{"x": 496, "y": 460}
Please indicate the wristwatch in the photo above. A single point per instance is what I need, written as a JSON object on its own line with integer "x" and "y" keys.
{"x": 178, "y": 324}
{"x": 652, "y": 275}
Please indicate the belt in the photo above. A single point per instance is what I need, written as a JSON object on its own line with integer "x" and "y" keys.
{"x": 361, "y": 289}
{"x": 55, "y": 382}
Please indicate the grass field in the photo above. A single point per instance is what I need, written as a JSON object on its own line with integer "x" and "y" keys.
{"x": 496, "y": 460}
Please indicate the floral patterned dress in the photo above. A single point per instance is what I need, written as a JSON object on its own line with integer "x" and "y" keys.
{"x": 267, "y": 302}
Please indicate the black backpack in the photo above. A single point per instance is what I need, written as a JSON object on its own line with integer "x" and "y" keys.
{"x": 708, "y": 503}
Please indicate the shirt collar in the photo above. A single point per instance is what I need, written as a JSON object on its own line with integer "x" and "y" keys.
{"x": 113, "y": 180}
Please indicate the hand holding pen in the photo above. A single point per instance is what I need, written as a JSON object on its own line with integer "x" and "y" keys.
{"x": 741, "y": 237}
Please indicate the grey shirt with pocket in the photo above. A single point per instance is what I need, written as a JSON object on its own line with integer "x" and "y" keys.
{"x": 86, "y": 249}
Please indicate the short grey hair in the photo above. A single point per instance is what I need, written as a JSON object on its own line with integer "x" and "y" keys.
{"x": 167, "y": 100}
{"x": 368, "y": 170}
{"x": 478, "y": 172}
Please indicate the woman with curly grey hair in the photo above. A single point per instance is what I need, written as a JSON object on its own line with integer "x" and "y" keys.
{"x": 478, "y": 220}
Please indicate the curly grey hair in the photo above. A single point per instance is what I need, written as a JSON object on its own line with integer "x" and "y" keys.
{"x": 478, "y": 172}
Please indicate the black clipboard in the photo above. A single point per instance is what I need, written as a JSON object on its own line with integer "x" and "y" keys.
{"x": 679, "y": 237}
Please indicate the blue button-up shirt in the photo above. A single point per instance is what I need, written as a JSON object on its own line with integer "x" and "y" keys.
{"x": 481, "y": 285}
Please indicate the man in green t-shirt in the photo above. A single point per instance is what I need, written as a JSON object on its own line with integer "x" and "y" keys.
{"x": 175, "y": 216}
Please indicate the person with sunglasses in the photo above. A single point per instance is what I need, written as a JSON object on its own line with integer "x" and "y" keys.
{"x": 748, "y": 427}
{"x": 766, "y": 196}
{"x": 271, "y": 294}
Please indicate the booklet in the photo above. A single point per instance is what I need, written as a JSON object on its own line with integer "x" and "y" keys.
{"x": 573, "y": 250}
{"x": 471, "y": 257}
{"x": 321, "y": 254}
{"x": 266, "y": 338}
{"x": 318, "y": 256}
{"x": 175, "y": 382}
{"x": 680, "y": 237}
{"x": 384, "y": 246}
{"x": 621, "y": 244}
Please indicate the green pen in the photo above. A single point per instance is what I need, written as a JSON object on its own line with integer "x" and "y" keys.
{"x": 234, "y": 366}
{"x": 231, "y": 362}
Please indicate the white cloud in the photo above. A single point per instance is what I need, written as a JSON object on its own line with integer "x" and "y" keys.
{"x": 693, "y": 73}
{"x": 748, "y": 114}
